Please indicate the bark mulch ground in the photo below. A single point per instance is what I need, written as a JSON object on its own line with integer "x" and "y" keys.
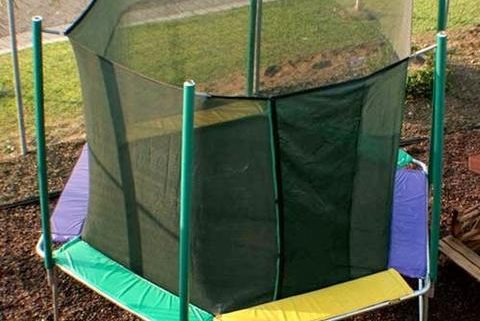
{"x": 24, "y": 294}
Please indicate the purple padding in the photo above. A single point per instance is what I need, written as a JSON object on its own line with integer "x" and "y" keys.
{"x": 71, "y": 210}
{"x": 409, "y": 224}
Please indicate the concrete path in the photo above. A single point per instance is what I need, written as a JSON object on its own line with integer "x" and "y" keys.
{"x": 149, "y": 12}
{"x": 56, "y": 15}
{"x": 24, "y": 40}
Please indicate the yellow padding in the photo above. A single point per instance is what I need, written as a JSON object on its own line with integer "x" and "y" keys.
{"x": 329, "y": 302}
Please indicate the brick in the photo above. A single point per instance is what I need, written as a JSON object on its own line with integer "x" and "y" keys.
{"x": 474, "y": 163}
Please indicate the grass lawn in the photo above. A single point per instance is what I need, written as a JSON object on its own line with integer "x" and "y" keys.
{"x": 462, "y": 13}
{"x": 211, "y": 46}
{"x": 227, "y": 34}
{"x": 63, "y": 104}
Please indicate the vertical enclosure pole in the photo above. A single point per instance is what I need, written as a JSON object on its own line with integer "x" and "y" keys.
{"x": 437, "y": 148}
{"x": 41, "y": 155}
{"x": 40, "y": 133}
{"x": 442, "y": 15}
{"x": 186, "y": 194}
{"x": 252, "y": 30}
{"x": 16, "y": 76}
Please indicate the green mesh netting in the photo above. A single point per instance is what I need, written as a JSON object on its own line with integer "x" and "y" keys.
{"x": 292, "y": 184}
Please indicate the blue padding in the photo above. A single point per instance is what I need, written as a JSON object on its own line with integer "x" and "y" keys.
{"x": 408, "y": 253}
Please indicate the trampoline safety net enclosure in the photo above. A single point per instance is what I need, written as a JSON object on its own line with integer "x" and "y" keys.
{"x": 296, "y": 136}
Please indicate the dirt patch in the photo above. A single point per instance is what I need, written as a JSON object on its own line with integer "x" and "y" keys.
{"x": 461, "y": 187}
{"x": 464, "y": 82}
{"x": 18, "y": 176}
{"x": 24, "y": 294}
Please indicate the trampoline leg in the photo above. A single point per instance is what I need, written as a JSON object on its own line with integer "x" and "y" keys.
{"x": 52, "y": 282}
{"x": 422, "y": 304}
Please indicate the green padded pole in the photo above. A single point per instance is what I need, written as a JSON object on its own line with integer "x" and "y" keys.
{"x": 437, "y": 149}
{"x": 257, "y": 49}
{"x": 252, "y": 30}
{"x": 42, "y": 158}
{"x": 40, "y": 133}
{"x": 442, "y": 18}
{"x": 442, "y": 15}
{"x": 186, "y": 194}
{"x": 276, "y": 191}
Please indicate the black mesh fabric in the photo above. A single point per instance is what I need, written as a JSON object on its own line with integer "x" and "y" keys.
{"x": 302, "y": 44}
{"x": 292, "y": 184}
{"x": 134, "y": 169}
{"x": 324, "y": 42}
{"x": 337, "y": 163}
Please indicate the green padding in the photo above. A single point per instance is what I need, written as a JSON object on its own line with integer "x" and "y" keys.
{"x": 404, "y": 158}
{"x": 120, "y": 285}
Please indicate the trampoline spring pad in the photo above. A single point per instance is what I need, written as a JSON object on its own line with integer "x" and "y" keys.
{"x": 121, "y": 286}
{"x": 329, "y": 302}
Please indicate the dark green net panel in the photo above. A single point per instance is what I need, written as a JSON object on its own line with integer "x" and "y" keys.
{"x": 292, "y": 183}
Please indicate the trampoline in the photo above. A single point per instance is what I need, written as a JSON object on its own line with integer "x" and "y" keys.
{"x": 271, "y": 188}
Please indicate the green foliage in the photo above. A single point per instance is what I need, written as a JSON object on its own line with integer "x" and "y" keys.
{"x": 420, "y": 77}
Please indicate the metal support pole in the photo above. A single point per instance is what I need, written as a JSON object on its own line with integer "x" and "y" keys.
{"x": 258, "y": 37}
{"x": 41, "y": 156}
{"x": 421, "y": 312}
{"x": 16, "y": 76}
{"x": 437, "y": 149}
{"x": 442, "y": 15}
{"x": 186, "y": 195}
{"x": 252, "y": 30}
{"x": 422, "y": 303}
